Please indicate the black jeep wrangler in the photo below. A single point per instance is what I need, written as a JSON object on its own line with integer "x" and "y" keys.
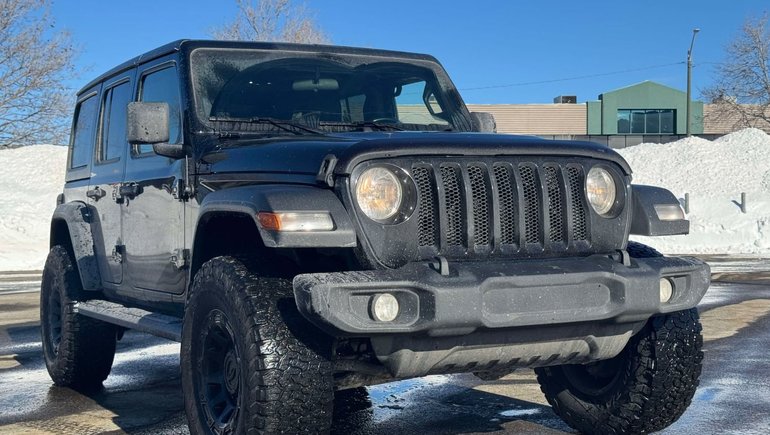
{"x": 306, "y": 219}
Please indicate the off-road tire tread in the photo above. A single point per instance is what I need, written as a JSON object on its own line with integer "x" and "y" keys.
{"x": 290, "y": 384}
{"x": 665, "y": 361}
{"x": 87, "y": 347}
{"x": 639, "y": 250}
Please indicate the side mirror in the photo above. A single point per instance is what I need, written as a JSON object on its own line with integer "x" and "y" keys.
{"x": 148, "y": 124}
{"x": 484, "y": 122}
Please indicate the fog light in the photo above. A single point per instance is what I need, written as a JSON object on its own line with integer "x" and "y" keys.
{"x": 666, "y": 290}
{"x": 384, "y": 307}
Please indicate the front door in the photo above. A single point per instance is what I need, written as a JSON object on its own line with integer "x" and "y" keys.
{"x": 153, "y": 210}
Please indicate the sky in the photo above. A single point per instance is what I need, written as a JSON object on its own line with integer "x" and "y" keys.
{"x": 496, "y": 52}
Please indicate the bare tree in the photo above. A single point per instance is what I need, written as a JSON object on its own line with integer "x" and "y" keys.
{"x": 272, "y": 20}
{"x": 741, "y": 94}
{"x": 35, "y": 62}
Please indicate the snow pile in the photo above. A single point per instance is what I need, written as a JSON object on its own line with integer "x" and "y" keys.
{"x": 714, "y": 173}
{"x": 30, "y": 179}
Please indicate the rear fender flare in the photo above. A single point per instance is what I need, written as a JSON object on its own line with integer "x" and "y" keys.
{"x": 77, "y": 216}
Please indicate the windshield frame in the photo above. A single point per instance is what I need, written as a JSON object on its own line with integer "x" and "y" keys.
{"x": 451, "y": 102}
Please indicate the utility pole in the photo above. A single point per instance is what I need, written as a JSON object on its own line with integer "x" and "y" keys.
{"x": 689, "y": 82}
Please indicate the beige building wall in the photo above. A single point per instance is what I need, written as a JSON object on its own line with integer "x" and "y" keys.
{"x": 713, "y": 123}
{"x": 545, "y": 119}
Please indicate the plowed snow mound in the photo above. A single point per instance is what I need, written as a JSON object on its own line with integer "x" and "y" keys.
{"x": 714, "y": 173}
{"x": 30, "y": 179}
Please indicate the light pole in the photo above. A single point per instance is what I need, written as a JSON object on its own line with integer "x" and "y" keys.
{"x": 689, "y": 81}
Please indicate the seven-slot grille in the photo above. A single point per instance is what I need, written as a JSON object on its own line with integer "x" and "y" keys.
{"x": 485, "y": 207}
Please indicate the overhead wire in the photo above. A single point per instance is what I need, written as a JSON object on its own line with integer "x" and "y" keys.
{"x": 587, "y": 76}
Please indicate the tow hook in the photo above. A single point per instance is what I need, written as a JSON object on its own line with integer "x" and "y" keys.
{"x": 441, "y": 265}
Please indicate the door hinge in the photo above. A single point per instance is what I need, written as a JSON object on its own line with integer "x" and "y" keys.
{"x": 180, "y": 190}
{"x": 180, "y": 258}
{"x": 326, "y": 171}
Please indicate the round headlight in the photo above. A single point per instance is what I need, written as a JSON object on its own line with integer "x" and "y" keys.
{"x": 379, "y": 193}
{"x": 600, "y": 188}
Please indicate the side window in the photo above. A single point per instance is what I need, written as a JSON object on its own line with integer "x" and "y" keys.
{"x": 163, "y": 87}
{"x": 83, "y": 135}
{"x": 113, "y": 137}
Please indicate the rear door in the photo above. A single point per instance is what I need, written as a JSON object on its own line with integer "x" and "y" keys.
{"x": 153, "y": 217}
{"x": 107, "y": 175}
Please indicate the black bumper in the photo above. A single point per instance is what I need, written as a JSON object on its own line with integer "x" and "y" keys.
{"x": 501, "y": 294}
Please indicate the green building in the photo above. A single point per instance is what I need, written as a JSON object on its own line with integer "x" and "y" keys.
{"x": 646, "y": 108}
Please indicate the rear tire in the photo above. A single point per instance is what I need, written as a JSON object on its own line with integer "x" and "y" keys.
{"x": 250, "y": 362}
{"x": 78, "y": 350}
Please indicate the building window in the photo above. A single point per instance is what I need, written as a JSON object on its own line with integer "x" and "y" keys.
{"x": 655, "y": 121}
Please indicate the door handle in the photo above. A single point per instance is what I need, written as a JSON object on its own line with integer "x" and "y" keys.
{"x": 96, "y": 193}
{"x": 127, "y": 191}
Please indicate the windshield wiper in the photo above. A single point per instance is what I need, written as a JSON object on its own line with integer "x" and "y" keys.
{"x": 291, "y": 127}
{"x": 365, "y": 124}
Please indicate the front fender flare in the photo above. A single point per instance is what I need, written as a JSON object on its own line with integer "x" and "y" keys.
{"x": 645, "y": 221}
{"x": 250, "y": 200}
{"x": 77, "y": 216}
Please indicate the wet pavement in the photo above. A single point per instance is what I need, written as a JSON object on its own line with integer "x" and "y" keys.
{"x": 143, "y": 393}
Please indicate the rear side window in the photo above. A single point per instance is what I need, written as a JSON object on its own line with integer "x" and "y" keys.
{"x": 163, "y": 87}
{"x": 83, "y": 136}
{"x": 113, "y": 141}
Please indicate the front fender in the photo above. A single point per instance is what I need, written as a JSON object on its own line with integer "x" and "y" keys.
{"x": 77, "y": 217}
{"x": 251, "y": 200}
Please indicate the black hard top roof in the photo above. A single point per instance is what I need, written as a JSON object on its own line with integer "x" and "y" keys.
{"x": 189, "y": 44}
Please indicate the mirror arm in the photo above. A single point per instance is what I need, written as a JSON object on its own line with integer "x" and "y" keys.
{"x": 174, "y": 151}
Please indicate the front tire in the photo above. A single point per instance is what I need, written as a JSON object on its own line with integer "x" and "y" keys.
{"x": 644, "y": 389}
{"x": 250, "y": 362}
{"x": 78, "y": 350}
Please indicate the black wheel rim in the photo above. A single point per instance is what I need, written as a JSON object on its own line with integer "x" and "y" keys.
{"x": 54, "y": 320}
{"x": 220, "y": 377}
{"x": 596, "y": 379}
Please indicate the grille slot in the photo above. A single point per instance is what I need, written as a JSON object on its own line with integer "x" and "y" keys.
{"x": 575, "y": 181}
{"x": 555, "y": 219}
{"x": 455, "y": 206}
{"x": 481, "y": 205}
{"x": 522, "y": 207}
{"x": 531, "y": 186}
{"x": 506, "y": 197}
{"x": 428, "y": 220}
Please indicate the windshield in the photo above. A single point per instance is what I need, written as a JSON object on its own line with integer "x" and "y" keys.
{"x": 253, "y": 90}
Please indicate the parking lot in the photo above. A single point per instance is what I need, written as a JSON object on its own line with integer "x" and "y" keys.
{"x": 143, "y": 393}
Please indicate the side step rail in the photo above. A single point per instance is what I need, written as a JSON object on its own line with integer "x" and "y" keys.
{"x": 169, "y": 327}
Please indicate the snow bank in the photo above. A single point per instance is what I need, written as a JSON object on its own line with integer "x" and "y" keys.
{"x": 714, "y": 173}
{"x": 30, "y": 179}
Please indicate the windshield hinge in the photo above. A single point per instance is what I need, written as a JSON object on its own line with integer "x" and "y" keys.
{"x": 326, "y": 171}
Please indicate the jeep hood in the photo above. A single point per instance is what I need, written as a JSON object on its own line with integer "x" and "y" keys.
{"x": 303, "y": 155}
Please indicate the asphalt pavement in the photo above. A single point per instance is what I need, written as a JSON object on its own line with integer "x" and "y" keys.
{"x": 143, "y": 393}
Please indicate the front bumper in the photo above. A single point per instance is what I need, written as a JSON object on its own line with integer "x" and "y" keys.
{"x": 497, "y": 294}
